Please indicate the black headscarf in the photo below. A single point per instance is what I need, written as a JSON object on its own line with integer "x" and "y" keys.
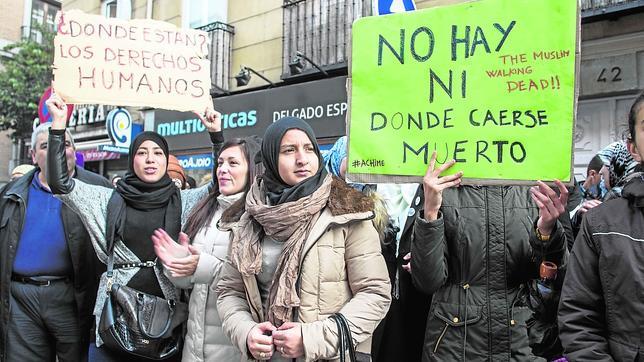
{"x": 145, "y": 196}
{"x": 277, "y": 190}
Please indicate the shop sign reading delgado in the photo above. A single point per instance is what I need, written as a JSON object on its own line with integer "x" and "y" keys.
{"x": 489, "y": 83}
{"x": 130, "y": 63}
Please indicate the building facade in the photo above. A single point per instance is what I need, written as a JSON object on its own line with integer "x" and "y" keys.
{"x": 11, "y": 12}
{"x": 256, "y": 74}
{"x": 21, "y": 19}
{"x": 612, "y": 73}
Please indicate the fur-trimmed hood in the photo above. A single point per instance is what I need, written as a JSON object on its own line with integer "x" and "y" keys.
{"x": 381, "y": 217}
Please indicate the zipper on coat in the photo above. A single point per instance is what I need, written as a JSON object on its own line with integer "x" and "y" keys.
{"x": 298, "y": 282}
{"x": 466, "y": 287}
{"x": 23, "y": 214}
{"x": 487, "y": 265}
{"x": 440, "y": 338}
{"x": 461, "y": 256}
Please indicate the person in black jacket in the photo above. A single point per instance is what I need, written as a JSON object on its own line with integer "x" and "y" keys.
{"x": 475, "y": 248}
{"x": 47, "y": 265}
{"x": 601, "y": 312}
{"x": 399, "y": 336}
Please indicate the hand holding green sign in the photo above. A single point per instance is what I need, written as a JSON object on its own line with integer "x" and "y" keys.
{"x": 486, "y": 83}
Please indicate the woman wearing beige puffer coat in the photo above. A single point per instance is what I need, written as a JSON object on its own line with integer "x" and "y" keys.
{"x": 197, "y": 266}
{"x": 303, "y": 247}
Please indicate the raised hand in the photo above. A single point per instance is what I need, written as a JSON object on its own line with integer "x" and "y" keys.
{"x": 434, "y": 184}
{"x": 550, "y": 205}
{"x": 58, "y": 110}
{"x": 211, "y": 119}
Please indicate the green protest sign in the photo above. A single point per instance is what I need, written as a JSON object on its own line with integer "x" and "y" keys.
{"x": 490, "y": 83}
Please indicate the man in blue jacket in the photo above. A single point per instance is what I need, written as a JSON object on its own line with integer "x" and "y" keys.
{"x": 47, "y": 266}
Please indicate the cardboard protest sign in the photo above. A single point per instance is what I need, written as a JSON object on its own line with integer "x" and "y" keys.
{"x": 490, "y": 83}
{"x": 130, "y": 63}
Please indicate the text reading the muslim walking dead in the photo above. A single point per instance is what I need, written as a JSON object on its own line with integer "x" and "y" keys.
{"x": 486, "y": 83}
{"x": 137, "y": 62}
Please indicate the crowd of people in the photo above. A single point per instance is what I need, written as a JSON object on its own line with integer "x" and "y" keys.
{"x": 280, "y": 258}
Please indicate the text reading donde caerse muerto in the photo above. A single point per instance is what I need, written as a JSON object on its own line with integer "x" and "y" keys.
{"x": 480, "y": 92}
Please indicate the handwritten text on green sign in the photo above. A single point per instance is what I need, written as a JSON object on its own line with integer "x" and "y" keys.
{"x": 487, "y": 83}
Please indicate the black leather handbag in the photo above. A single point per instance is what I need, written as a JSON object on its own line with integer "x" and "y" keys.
{"x": 346, "y": 341}
{"x": 138, "y": 323}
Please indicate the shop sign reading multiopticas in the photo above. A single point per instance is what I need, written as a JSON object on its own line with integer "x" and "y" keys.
{"x": 194, "y": 125}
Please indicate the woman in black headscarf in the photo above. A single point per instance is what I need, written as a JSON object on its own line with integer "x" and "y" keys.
{"x": 303, "y": 247}
{"x": 144, "y": 200}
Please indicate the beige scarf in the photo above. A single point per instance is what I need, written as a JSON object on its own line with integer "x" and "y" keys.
{"x": 290, "y": 223}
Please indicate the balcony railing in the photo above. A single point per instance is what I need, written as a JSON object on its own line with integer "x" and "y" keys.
{"x": 321, "y": 29}
{"x": 220, "y": 53}
{"x": 592, "y": 8}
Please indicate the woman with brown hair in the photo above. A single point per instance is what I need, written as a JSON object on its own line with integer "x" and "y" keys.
{"x": 195, "y": 263}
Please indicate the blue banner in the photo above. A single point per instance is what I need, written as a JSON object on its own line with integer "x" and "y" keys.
{"x": 196, "y": 162}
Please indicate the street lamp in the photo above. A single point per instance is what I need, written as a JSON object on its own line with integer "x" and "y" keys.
{"x": 243, "y": 77}
{"x": 220, "y": 89}
{"x": 296, "y": 66}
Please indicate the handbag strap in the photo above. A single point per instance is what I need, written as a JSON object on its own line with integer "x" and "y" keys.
{"x": 113, "y": 206}
{"x": 110, "y": 265}
{"x": 345, "y": 339}
{"x": 347, "y": 331}
{"x": 138, "y": 264}
{"x": 341, "y": 339}
{"x": 139, "y": 308}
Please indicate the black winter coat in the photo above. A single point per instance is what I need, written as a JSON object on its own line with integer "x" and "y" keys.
{"x": 476, "y": 259}
{"x": 13, "y": 206}
{"x": 399, "y": 337}
{"x": 601, "y": 312}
